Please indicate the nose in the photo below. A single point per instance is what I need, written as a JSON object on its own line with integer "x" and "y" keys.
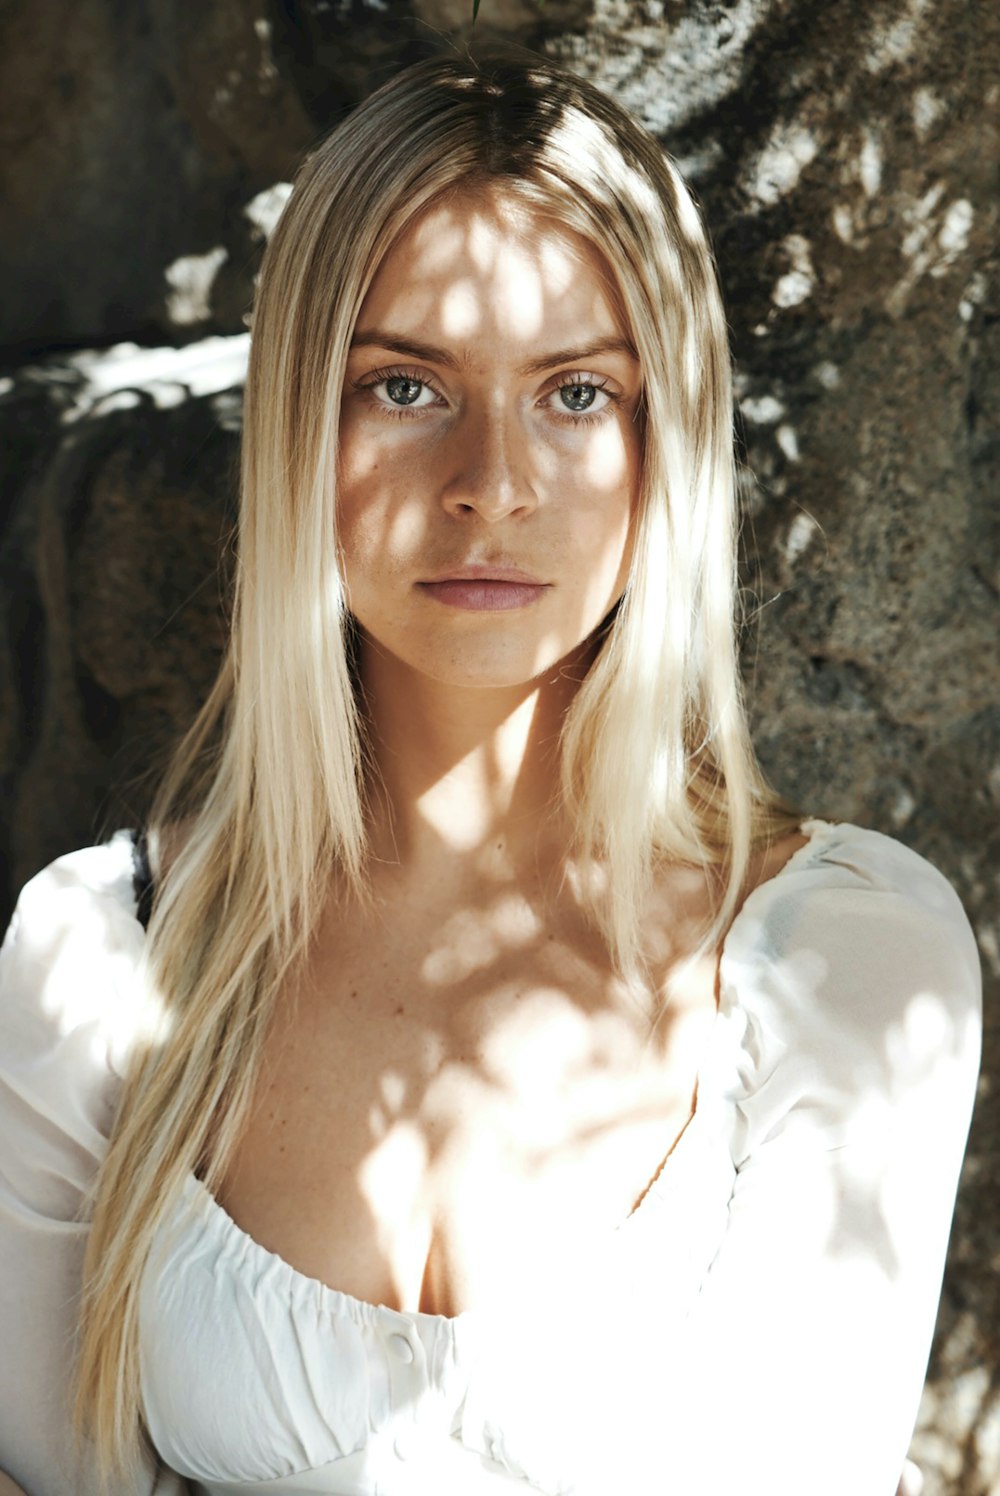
{"x": 488, "y": 466}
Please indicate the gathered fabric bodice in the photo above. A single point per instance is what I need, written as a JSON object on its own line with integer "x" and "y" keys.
{"x": 354, "y": 1388}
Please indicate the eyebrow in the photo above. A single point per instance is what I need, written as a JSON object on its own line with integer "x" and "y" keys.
{"x": 375, "y": 337}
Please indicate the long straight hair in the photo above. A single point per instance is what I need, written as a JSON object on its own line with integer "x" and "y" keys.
{"x": 270, "y": 782}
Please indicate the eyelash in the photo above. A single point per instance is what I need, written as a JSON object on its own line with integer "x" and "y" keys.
{"x": 371, "y": 381}
{"x": 400, "y": 412}
{"x": 586, "y": 418}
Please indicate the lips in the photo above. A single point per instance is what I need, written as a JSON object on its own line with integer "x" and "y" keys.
{"x": 484, "y": 587}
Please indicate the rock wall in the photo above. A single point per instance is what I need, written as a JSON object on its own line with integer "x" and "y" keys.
{"x": 846, "y": 156}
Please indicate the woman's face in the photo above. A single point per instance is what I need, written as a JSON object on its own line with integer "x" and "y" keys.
{"x": 490, "y": 446}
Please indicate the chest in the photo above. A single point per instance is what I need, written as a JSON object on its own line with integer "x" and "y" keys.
{"x": 452, "y": 1107}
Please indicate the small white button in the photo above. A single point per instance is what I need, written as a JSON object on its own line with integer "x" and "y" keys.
{"x": 401, "y": 1348}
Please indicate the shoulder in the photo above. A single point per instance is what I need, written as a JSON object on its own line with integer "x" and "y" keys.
{"x": 859, "y": 895}
{"x": 855, "y": 967}
{"x": 105, "y": 878}
{"x": 70, "y": 1006}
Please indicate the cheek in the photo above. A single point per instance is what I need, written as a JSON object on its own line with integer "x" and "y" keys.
{"x": 611, "y": 475}
{"x": 611, "y": 460}
{"x": 609, "y": 556}
{"x": 360, "y": 473}
{"x": 380, "y": 520}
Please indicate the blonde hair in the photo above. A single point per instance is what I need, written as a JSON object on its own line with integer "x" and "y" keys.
{"x": 271, "y": 779}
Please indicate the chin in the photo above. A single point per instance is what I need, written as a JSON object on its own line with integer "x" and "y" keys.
{"x": 507, "y": 669}
{"x": 501, "y": 658}
{"x": 500, "y": 677}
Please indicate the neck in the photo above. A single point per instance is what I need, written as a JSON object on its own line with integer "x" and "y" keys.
{"x": 468, "y": 775}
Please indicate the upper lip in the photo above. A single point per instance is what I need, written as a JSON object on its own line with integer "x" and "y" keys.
{"x": 486, "y": 571}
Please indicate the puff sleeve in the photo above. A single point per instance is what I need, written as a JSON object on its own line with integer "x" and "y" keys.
{"x": 69, "y": 1016}
{"x": 853, "y": 983}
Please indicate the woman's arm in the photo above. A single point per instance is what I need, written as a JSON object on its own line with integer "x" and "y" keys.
{"x": 860, "y": 985}
{"x": 69, "y": 1011}
{"x": 9, "y": 1487}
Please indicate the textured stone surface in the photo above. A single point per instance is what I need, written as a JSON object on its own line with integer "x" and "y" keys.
{"x": 134, "y": 135}
{"x": 846, "y": 157}
{"x": 112, "y": 566}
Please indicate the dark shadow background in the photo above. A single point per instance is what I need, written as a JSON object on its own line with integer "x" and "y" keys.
{"x": 847, "y": 160}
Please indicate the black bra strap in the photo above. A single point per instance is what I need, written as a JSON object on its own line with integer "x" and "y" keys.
{"x": 142, "y": 878}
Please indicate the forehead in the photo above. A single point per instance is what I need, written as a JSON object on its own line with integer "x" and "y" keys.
{"x": 489, "y": 262}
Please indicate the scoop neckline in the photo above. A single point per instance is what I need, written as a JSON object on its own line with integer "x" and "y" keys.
{"x": 367, "y": 1309}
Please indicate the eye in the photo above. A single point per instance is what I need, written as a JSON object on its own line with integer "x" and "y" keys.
{"x": 402, "y": 390}
{"x": 578, "y": 397}
{"x": 399, "y": 391}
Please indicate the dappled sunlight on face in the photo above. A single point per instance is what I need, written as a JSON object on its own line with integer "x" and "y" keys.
{"x": 605, "y": 466}
{"x": 460, "y": 312}
{"x": 489, "y": 422}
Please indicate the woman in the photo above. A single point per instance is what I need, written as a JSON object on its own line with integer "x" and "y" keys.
{"x": 510, "y": 1092}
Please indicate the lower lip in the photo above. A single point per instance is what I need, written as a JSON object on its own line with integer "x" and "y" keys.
{"x": 486, "y": 596}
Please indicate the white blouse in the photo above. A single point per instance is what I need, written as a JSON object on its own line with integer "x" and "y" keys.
{"x": 761, "y": 1322}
